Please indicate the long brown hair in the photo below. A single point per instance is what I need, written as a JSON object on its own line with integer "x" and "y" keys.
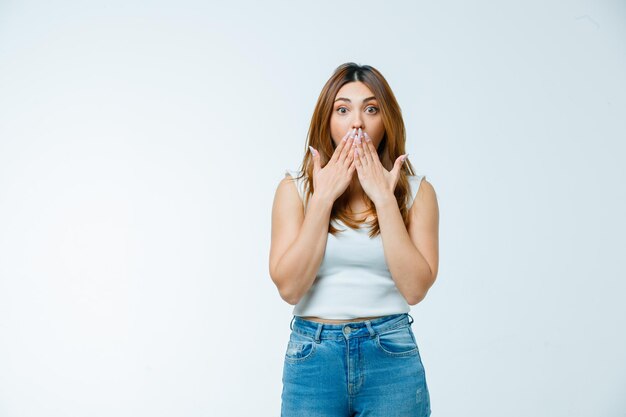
{"x": 390, "y": 148}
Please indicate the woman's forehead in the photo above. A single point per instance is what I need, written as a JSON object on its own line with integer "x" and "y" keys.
{"x": 356, "y": 89}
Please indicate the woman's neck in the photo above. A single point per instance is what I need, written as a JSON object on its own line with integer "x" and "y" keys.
{"x": 355, "y": 191}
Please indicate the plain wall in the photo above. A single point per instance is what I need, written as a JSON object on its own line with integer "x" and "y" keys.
{"x": 141, "y": 144}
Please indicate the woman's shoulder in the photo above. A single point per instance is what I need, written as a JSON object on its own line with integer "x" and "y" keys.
{"x": 415, "y": 180}
{"x": 414, "y": 183}
{"x": 297, "y": 177}
{"x": 292, "y": 172}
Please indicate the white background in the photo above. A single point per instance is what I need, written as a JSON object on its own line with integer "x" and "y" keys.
{"x": 141, "y": 144}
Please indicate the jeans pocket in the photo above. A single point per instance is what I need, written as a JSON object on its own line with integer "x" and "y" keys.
{"x": 299, "y": 348}
{"x": 398, "y": 341}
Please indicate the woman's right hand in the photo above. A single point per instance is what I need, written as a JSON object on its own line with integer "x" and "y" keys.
{"x": 332, "y": 180}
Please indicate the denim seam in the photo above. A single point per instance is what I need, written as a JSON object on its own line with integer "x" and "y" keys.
{"x": 314, "y": 332}
{"x": 407, "y": 353}
{"x": 298, "y": 360}
{"x": 338, "y": 337}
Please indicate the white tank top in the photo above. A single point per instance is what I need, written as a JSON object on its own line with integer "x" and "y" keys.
{"x": 353, "y": 279}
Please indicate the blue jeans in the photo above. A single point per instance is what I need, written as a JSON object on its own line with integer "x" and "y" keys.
{"x": 364, "y": 368}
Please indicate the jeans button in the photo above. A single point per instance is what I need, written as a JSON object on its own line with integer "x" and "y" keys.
{"x": 347, "y": 330}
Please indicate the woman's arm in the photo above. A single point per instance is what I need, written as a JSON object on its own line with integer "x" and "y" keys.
{"x": 412, "y": 256}
{"x": 298, "y": 240}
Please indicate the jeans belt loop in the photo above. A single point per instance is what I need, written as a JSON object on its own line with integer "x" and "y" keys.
{"x": 318, "y": 332}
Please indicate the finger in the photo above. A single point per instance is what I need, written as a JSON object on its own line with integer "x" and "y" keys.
{"x": 316, "y": 159}
{"x": 357, "y": 157}
{"x": 340, "y": 146}
{"x": 347, "y": 135}
{"x": 365, "y": 151}
{"x": 346, "y": 149}
{"x": 397, "y": 166}
{"x": 349, "y": 156}
{"x": 353, "y": 151}
{"x": 352, "y": 167}
{"x": 372, "y": 152}
{"x": 357, "y": 164}
{"x": 360, "y": 152}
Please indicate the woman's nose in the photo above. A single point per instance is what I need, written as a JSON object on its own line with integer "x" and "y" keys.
{"x": 357, "y": 124}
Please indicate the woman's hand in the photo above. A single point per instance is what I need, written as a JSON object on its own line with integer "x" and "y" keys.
{"x": 378, "y": 183}
{"x": 332, "y": 180}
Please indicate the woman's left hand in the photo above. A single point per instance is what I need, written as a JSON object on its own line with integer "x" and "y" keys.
{"x": 378, "y": 183}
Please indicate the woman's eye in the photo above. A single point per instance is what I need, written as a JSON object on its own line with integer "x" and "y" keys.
{"x": 370, "y": 107}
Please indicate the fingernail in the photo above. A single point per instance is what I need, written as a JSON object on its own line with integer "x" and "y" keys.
{"x": 312, "y": 150}
{"x": 353, "y": 132}
{"x": 367, "y": 137}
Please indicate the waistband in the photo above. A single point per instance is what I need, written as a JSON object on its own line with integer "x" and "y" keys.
{"x": 335, "y": 331}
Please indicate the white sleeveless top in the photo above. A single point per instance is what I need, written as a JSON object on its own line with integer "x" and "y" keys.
{"x": 353, "y": 279}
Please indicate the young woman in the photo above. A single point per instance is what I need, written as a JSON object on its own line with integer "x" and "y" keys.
{"x": 354, "y": 245}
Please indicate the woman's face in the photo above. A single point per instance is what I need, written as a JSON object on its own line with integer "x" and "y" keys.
{"x": 356, "y": 107}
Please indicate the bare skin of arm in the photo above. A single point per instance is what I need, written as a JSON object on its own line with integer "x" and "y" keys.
{"x": 412, "y": 255}
{"x": 298, "y": 240}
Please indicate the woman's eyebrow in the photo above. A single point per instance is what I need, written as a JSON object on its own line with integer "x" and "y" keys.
{"x": 350, "y": 101}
